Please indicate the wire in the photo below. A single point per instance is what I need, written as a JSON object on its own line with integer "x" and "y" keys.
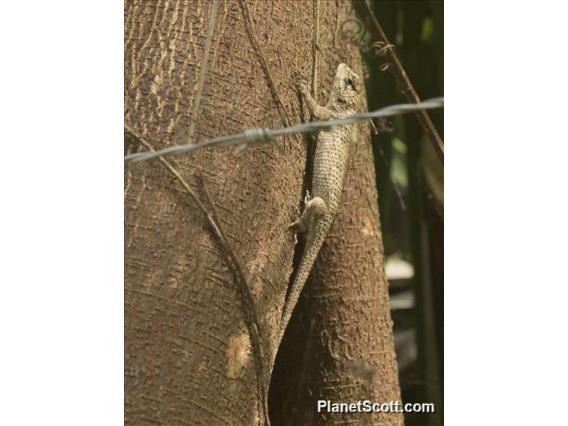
{"x": 264, "y": 135}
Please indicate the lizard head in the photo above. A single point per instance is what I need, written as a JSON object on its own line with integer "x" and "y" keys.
{"x": 346, "y": 88}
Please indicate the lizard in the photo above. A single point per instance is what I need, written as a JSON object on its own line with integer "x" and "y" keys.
{"x": 330, "y": 165}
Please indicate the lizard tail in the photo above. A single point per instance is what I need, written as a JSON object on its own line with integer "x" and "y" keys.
{"x": 311, "y": 250}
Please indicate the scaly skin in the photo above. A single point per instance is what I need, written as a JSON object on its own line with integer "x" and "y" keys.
{"x": 330, "y": 164}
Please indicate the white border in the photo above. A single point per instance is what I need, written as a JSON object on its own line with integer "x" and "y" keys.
{"x": 505, "y": 213}
{"x": 61, "y": 274}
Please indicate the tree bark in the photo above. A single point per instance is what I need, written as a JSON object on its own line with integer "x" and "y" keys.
{"x": 199, "y": 69}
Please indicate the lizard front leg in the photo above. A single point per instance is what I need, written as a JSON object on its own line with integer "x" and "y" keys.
{"x": 318, "y": 112}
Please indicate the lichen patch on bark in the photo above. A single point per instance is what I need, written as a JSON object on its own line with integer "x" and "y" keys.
{"x": 238, "y": 354}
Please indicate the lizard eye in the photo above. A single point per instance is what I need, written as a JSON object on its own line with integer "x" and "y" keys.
{"x": 349, "y": 82}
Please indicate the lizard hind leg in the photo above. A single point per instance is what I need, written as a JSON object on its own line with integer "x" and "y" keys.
{"x": 314, "y": 208}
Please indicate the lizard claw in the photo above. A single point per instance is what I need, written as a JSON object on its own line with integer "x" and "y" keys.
{"x": 297, "y": 226}
{"x": 294, "y": 225}
{"x": 301, "y": 85}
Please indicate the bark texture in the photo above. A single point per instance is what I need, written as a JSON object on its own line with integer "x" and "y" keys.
{"x": 340, "y": 345}
{"x": 199, "y": 69}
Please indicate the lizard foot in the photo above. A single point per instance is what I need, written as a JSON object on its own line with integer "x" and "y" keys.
{"x": 299, "y": 225}
{"x": 296, "y": 226}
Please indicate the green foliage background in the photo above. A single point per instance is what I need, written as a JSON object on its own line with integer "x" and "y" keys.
{"x": 410, "y": 183}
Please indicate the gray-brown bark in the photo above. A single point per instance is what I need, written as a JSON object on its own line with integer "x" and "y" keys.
{"x": 192, "y": 71}
{"x": 340, "y": 346}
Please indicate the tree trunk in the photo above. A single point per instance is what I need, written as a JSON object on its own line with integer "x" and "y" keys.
{"x": 199, "y": 69}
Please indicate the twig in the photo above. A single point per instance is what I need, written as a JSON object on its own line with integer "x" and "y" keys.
{"x": 315, "y": 51}
{"x": 250, "y": 313}
{"x": 366, "y": 12}
{"x": 261, "y": 58}
{"x": 171, "y": 168}
{"x": 212, "y": 21}
{"x": 263, "y": 135}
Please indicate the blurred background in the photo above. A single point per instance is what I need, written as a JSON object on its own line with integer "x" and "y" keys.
{"x": 410, "y": 180}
